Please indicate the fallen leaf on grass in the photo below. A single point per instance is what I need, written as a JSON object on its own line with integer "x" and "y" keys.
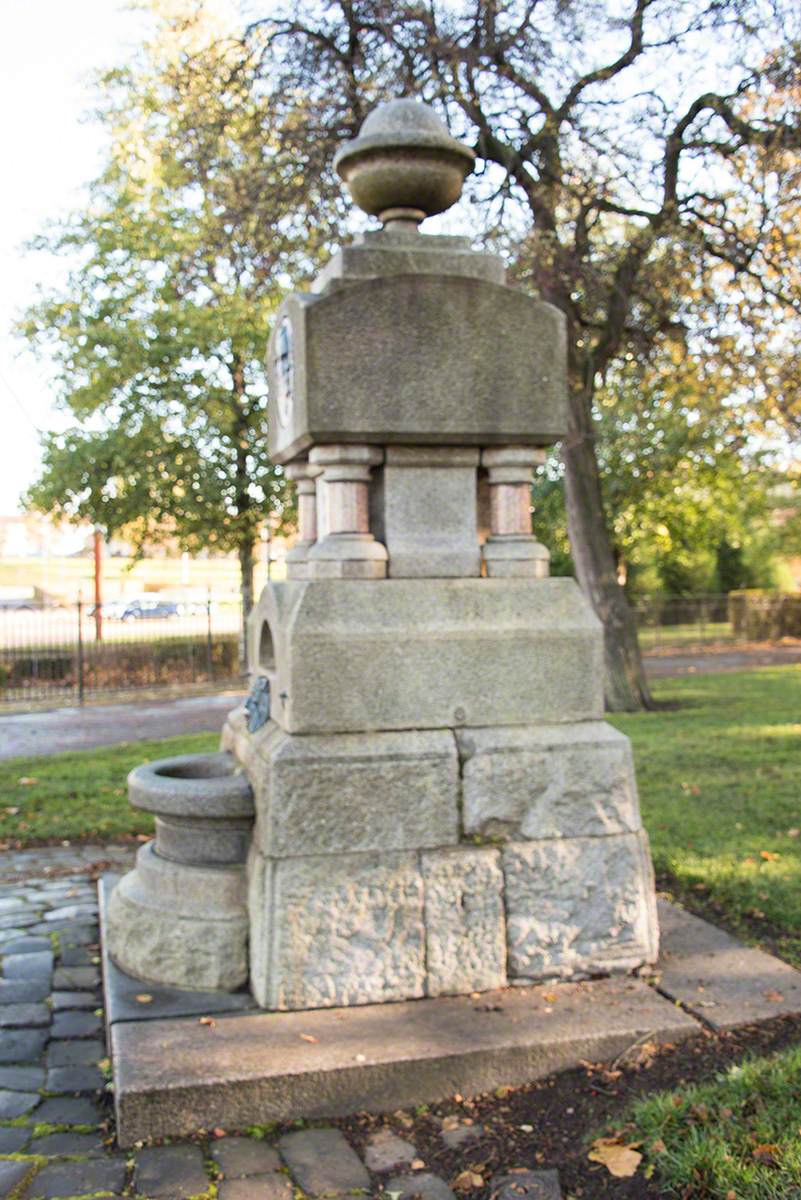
{"x": 27, "y": 780}
{"x": 619, "y": 1160}
{"x": 657, "y": 1147}
{"x": 766, "y": 1152}
{"x": 793, "y": 833}
{"x": 12, "y": 812}
{"x": 466, "y": 1181}
{"x": 207, "y": 1021}
{"x": 769, "y": 855}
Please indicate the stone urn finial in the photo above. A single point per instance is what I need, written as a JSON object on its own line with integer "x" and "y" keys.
{"x": 404, "y": 166}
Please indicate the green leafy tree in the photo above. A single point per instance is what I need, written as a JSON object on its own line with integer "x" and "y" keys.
{"x": 625, "y": 150}
{"x": 159, "y": 332}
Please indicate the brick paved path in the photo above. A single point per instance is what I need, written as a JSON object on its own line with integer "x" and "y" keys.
{"x": 56, "y": 1119}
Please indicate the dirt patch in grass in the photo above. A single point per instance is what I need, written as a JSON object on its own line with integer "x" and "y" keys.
{"x": 551, "y": 1123}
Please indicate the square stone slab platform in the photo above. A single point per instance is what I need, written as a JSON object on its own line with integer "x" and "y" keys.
{"x": 175, "y": 1074}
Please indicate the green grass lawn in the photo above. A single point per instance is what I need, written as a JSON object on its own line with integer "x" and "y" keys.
{"x": 81, "y": 794}
{"x": 719, "y": 776}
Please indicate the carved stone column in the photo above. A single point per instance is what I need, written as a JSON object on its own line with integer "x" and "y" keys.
{"x": 512, "y": 549}
{"x": 346, "y": 549}
{"x": 297, "y": 560}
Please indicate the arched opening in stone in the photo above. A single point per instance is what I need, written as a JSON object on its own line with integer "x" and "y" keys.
{"x": 266, "y": 649}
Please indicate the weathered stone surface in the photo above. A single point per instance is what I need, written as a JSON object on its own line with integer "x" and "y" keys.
{"x": 74, "y": 1079}
{"x": 170, "y": 1171}
{"x": 18, "y": 1016}
{"x": 73, "y": 1000}
{"x": 66, "y": 1143}
{"x": 23, "y": 991}
{"x": 76, "y": 977}
{"x": 385, "y": 1151}
{"x": 75, "y": 1025}
{"x": 68, "y": 1110}
{"x": 22, "y": 1079}
{"x": 718, "y": 978}
{"x": 425, "y": 512}
{"x": 464, "y": 917}
{"x": 382, "y": 252}
{"x": 16, "y": 1104}
{"x": 77, "y": 956}
{"x": 357, "y": 792}
{"x": 419, "y": 1186}
{"x": 172, "y": 1075}
{"x": 82, "y": 1052}
{"x": 102, "y": 1175}
{"x": 257, "y": 1187}
{"x": 322, "y": 1163}
{"x": 179, "y": 925}
{"x": 21, "y": 1045}
{"x": 238, "y": 1156}
{"x": 343, "y": 930}
{"x": 579, "y": 905}
{"x": 435, "y": 365}
{"x": 26, "y": 945}
{"x": 12, "y": 1139}
{"x": 548, "y": 781}
{"x": 526, "y": 1185}
{"x": 28, "y": 966}
{"x": 11, "y": 1175}
{"x": 436, "y": 653}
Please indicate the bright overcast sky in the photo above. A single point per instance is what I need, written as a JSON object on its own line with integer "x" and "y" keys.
{"x": 48, "y": 52}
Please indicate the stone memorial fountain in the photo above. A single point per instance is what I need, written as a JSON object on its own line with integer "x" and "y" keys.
{"x": 421, "y": 797}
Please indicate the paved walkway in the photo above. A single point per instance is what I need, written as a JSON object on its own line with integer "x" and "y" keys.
{"x": 108, "y": 724}
{"x": 56, "y": 1114}
{"x": 720, "y": 659}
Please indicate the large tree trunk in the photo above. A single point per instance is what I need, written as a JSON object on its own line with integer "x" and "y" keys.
{"x": 626, "y": 687}
{"x": 247, "y": 569}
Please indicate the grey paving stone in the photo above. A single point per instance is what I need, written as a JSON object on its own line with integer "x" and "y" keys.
{"x": 28, "y": 966}
{"x": 21, "y": 1045}
{"x": 78, "y": 1178}
{"x": 385, "y": 1151}
{"x": 170, "y": 1171}
{"x": 257, "y": 1187}
{"x": 77, "y": 956}
{"x": 75, "y": 1025}
{"x": 67, "y": 1000}
{"x": 10, "y": 935}
{"x": 526, "y": 1185}
{"x": 69, "y": 934}
{"x": 11, "y": 1175}
{"x": 66, "y": 1143}
{"x": 322, "y": 1162}
{"x": 422, "y": 1184}
{"x": 22, "y": 1016}
{"x": 65, "y": 978}
{"x": 69, "y": 1110}
{"x": 17, "y": 1104}
{"x": 26, "y": 945}
{"x": 238, "y": 1156}
{"x": 11, "y": 903}
{"x": 13, "y": 1138}
{"x": 24, "y": 991}
{"x": 72, "y": 1054}
{"x": 19, "y": 920}
{"x": 73, "y": 1079}
{"x": 72, "y": 912}
{"x": 461, "y": 1135}
{"x": 22, "y": 1079}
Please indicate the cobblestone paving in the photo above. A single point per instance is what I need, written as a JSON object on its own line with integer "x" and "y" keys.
{"x": 56, "y": 1118}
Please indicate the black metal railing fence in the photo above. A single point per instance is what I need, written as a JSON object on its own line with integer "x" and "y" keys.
{"x": 67, "y": 654}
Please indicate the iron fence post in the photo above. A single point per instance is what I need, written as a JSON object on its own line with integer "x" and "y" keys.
{"x": 209, "y": 658}
{"x": 80, "y": 650}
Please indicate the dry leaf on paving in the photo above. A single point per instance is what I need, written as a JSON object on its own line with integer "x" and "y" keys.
{"x": 308, "y": 1037}
{"x": 207, "y": 1021}
{"x": 144, "y": 998}
{"x": 466, "y": 1181}
{"x": 772, "y": 996}
{"x": 619, "y": 1160}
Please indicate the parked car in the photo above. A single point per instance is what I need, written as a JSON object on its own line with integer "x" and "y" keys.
{"x": 139, "y": 610}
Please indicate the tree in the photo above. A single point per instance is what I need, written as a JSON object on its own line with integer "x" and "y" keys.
{"x": 159, "y": 332}
{"x": 632, "y": 147}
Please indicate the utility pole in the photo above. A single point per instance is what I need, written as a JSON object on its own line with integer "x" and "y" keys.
{"x": 98, "y": 540}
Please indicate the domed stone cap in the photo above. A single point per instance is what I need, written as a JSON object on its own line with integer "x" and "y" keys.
{"x": 404, "y": 165}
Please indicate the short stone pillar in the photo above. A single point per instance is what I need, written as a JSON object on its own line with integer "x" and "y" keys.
{"x": 180, "y": 917}
{"x": 512, "y": 550}
{"x": 346, "y": 549}
{"x": 303, "y": 476}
